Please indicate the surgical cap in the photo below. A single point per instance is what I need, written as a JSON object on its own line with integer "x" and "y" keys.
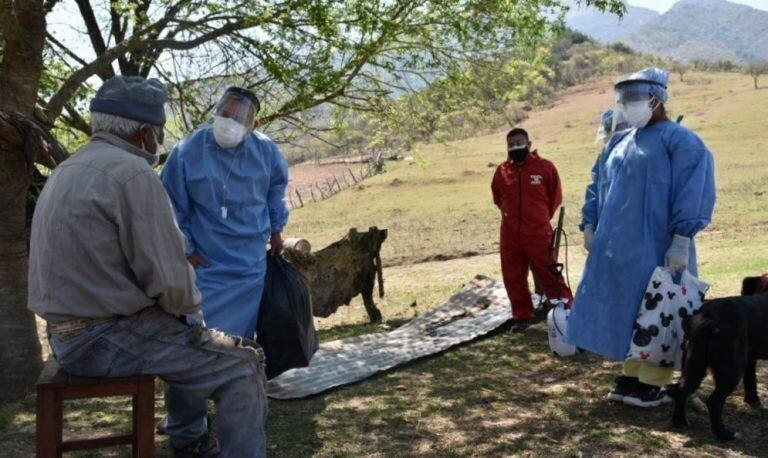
{"x": 649, "y": 80}
{"x": 132, "y": 97}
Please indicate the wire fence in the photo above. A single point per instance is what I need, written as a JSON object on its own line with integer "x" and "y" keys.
{"x": 330, "y": 185}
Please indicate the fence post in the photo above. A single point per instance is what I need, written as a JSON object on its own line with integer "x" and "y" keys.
{"x": 352, "y": 174}
{"x": 330, "y": 187}
{"x": 322, "y": 194}
{"x": 312, "y": 192}
{"x": 290, "y": 199}
{"x": 301, "y": 201}
{"x": 336, "y": 181}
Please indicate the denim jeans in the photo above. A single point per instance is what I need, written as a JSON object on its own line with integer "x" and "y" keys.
{"x": 197, "y": 362}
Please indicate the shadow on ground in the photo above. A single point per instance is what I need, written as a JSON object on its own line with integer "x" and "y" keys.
{"x": 499, "y": 395}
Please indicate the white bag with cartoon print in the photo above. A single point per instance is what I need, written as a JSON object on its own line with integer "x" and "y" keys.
{"x": 658, "y": 334}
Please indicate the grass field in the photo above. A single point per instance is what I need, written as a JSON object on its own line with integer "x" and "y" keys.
{"x": 504, "y": 394}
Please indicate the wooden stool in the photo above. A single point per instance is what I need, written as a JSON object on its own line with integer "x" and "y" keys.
{"x": 55, "y": 385}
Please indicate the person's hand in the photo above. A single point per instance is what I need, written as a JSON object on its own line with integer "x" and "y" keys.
{"x": 589, "y": 236}
{"x": 677, "y": 255}
{"x": 196, "y": 260}
{"x": 276, "y": 243}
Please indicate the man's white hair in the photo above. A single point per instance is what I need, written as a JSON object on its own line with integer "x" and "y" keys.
{"x": 115, "y": 125}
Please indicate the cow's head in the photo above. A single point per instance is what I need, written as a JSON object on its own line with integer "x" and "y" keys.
{"x": 371, "y": 240}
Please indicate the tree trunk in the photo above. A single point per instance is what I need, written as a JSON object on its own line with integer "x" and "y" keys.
{"x": 22, "y": 24}
{"x": 21, "y": 357}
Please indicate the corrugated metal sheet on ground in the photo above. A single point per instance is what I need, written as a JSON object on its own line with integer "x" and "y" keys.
{"x": 475, "y": 310}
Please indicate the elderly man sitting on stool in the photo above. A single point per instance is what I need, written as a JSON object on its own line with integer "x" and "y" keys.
{"x": 107, "y": 271}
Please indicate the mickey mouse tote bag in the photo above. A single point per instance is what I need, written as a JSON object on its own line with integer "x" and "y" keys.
{"x": 658, "y": 335}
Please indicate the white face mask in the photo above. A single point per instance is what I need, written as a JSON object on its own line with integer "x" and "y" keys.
{"x": 228, "y": 132}
{"x": 156, "y": 153}
{"x": 638, "y": 113}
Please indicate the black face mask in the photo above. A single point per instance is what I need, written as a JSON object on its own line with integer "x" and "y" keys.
{"x": 518, "y": 154}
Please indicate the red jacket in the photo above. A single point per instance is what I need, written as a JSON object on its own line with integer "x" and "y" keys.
{"x": 528, "y": 196}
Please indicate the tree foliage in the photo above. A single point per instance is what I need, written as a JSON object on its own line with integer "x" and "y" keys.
{"x": 482, "y": 96}
{"x": 680, "y": 68}
{"x": 296, "y": 54}
{"x": 756, "y": 70}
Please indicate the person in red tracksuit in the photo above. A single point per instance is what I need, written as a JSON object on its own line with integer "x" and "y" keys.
{"x": 526, "y": 188}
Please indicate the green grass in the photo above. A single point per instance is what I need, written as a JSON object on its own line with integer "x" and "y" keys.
{"x": 444, "y": 209}
{"x": 502, "y": 395}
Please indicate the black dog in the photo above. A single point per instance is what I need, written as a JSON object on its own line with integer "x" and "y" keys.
{"x": 727, "y": 335}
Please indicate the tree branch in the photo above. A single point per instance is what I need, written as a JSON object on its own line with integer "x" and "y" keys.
{"x": 76, "y": 121}
{"x": 49, "y": 4}
{"x": 56, "y": 103}
{"x": 66, "y": 50}
{"x": 94, "y": 33}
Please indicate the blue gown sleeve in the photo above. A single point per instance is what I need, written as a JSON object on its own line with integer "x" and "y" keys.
{"x": 693, "y": 183}
{"x": 174, "y": 180}
{"x": 589, "y": 209}
{"x": 278, "y": 181}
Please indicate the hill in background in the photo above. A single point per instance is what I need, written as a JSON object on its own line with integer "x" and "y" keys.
{"x": 608, "y": 28}
{"x": 712, "y": 30}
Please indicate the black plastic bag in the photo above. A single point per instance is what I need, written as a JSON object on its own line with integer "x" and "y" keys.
{"x": 285, "y": 329}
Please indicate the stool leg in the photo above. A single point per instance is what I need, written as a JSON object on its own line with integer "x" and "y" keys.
{"x": 49, "y": 423}
{"x": 144, "y": 419}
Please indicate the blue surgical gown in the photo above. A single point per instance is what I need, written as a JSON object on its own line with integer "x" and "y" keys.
{"x": 248, "y": 181}
{"x": 647, "y": 185}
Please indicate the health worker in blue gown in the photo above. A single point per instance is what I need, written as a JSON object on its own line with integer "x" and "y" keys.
{"x": 227, "y": 185}
{"x": 652, "y": 191}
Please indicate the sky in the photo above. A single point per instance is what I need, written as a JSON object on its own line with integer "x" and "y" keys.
{"x": 663, "y": 5}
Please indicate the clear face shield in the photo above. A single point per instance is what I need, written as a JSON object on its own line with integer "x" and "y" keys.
{"x": 636, "y": 102}
{"x": 633, "y": 94}
{"x": 237, "y": 107}
{"x": 605, "y": 126}
{"x": 619, "y": 122}
{"x": 611, "y": 121}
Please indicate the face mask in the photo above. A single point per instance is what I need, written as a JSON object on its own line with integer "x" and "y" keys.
{"x": 156, "y": 152}
{"x": 228, "y": 132}
{"x": 638, "y": 113}
{"x": 518, "y": 153}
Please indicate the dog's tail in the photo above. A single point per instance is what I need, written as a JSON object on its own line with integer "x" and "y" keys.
{"x": 696, "y": 358}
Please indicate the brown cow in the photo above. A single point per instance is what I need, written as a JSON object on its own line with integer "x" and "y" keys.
{"x": 342, "y": 270}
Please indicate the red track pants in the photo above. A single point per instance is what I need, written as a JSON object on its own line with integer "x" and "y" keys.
{"x": 515, "y": 261}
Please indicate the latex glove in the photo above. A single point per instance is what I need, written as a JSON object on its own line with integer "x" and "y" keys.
{"x": 196, "y": 318}
{"x": 677, "y": 255}
{"x": 589, "y": 236}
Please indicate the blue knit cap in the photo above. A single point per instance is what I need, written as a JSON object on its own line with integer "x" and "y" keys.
{"x": 651, "y": 80}
{"x": 132, "y": 97}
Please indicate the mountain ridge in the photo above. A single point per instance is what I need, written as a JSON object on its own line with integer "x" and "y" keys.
{"x": 711, "y": 30}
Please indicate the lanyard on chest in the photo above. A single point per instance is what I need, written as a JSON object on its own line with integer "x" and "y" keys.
{"x": 224, "y": 190}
